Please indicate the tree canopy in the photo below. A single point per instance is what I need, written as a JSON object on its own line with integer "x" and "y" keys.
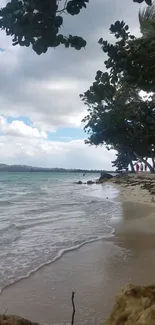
{"x": 37, "y": 23}
{"x": 118, "y": 116}
{"x": 123, "y": 160}
{"x": 133, "y": 57}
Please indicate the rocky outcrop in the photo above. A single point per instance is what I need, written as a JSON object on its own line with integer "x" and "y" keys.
{"x": 14, "y": 320}
{"x": 90, "y": 182}
{"x": 105, "y": 177}
{"x": 134, "y": 306}
{"x": 146, "y": 183}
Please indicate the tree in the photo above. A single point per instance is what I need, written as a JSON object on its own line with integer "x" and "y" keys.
{"x": 123, "y": 160}
{"x": 131, "y": 57}
{"x": 38, "y": 22}
{"x": 119, "y": 117}
{"x": 147, "y": 22}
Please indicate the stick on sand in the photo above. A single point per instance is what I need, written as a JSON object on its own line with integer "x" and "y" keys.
{"x": 73, "y": 304}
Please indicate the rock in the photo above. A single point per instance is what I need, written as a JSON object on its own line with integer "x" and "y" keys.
{"x": 98, "y": 182}
{"x": 90, "y": 182}
{"x": 101, "y": 181}
{"x": 118, "y": 175}
{"x": 134, "y": 306}
{"x": 14, "y": 320}
{"x": 118, "y": 181}
{"x": 105, "y": 176}
{"x": 146, "y": 186}
{"x": 79, "y": 182}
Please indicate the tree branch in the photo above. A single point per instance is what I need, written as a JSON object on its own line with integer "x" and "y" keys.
{"x": 64, "y": 8}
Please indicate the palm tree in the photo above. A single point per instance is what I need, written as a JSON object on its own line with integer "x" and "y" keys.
{"x": 147, "y": 21}
{"x": 148, "y": 2}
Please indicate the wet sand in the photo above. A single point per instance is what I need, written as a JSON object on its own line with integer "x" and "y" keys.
{"x": 46, "y": 296}
{"x": 96, "y": 272}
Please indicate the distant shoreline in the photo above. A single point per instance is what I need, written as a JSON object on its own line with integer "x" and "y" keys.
{"x": 24, "y": 168}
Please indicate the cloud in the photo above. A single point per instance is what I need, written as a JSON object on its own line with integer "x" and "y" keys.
{"x": 19, "y": 128}
{"x": 46, "y": 89}
{"x": 40, "y": 152}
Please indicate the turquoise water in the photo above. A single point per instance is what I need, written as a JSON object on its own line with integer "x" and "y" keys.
{"x": 43, "y": 215}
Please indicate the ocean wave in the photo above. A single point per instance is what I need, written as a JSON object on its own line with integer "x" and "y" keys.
{"x": 11, "y": 226}
{"x": 95, "y": 201}
{"x": 49, "y": 222}
{"x": 38, "y": 210}
{"x": 42, "y": 223}
{"x": 9, "y": 234}
{"x": 6, "y": 203}
{"x": 58, "y": 256}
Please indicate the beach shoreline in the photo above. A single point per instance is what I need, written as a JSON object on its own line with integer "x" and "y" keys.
{"x": 96, "y": 271}
{"x": 138, "y": 188}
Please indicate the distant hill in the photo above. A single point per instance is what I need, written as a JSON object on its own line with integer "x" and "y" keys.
{"x": 24, "y": 168}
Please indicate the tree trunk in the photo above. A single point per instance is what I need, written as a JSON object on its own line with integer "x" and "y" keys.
{"x": 131, "y": 163}
{"x": 153, "y": 162}
{"x": 145, "y": 162}
{"x": 132, "y": 166}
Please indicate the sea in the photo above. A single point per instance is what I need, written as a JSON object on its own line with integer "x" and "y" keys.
{"x": 44, "y": 215}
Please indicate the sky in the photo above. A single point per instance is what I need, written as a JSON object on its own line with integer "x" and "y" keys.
{"x": 40, "y": 108}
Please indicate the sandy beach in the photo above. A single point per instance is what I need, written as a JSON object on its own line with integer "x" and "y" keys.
{"x": 96, "y": 271}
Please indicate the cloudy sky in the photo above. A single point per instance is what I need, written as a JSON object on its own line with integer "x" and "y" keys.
{"x": 40, "y": 108}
